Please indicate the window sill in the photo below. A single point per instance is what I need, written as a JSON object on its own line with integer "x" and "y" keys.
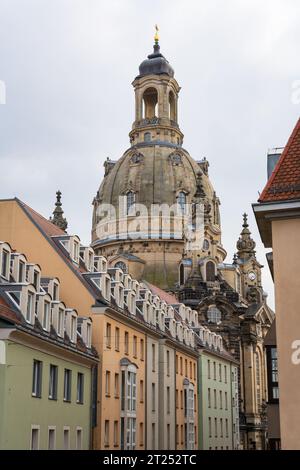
{"x": 79, "y": 402}
{"x": 36, "y": 396}
{"x": 108, "y": 347}
{"x": 52, "y": 398}
{"x": 107, "y": 395}
{"x": 117, "y": 349}
{"x": 66, "y": 401}
{"x": 117, "y": 397}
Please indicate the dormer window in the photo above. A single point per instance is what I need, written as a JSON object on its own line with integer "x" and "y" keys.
{"x": 76, "y": 252}
{"x": 5, "y": 264}
{"x": 36, "y": 280}
{"x": 121, "y": 265}
{"x": 21, "y": 274}
{"x": 46, "y": 316}
{"x": 88, "y": 335}
{"x": 55, "y": 291}
{"x": 30, "y": 307}
{"x": 60, "y": 327}
{"x": 73, "y": 328}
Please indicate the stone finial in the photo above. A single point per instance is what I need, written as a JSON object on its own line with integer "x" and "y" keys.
{"x": 58, "y": 218}
{"x": 245, "y": 244}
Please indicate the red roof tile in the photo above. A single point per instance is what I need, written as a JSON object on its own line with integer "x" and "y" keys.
{"x": 168, "y": 298}
{"x": 284, "y": 183}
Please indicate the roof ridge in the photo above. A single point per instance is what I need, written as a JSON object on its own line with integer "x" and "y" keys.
{"x": 264, "y": 195}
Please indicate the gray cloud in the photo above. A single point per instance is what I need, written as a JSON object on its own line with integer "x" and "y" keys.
{"x": 68, "y": 65}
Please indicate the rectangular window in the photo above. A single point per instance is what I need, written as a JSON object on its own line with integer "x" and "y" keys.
{"x": 53, "y": 382}
{"x": 117, "y": 339}
{"x": 30, "y": 307}
{"x": 106, "y": 433}
{"x": 117, "y": 386}
{"x": 141, "y": 391}
{"x": 108, "y": 335}
{"x": 116, "y": 433}
{"x": 73, "y": 329}
{"x": 46, "y": 317}
{"x": 181, "y": 368}
{"x": 209, "y": 427}
{"x": 37, "y": 379}
{"x": 123, "y": 391}
{"x": 141, "y": 434}
{"x": 226, "y": 401}
{"x": 78, "y": 438}
{"x": 134, "y": 346}
{"x": 209, "y": 397}
{"x": 208, "y": 369}
{"x": 225, "y": 374}
{"x": 186, "y": 367}
{"x": 181, "y": 399}
{"x": 21, "y": 271}
{"x": 177, "y": 434}
{"x": 216, "y": 427}
{"x": 168, "y": 363}
{"x": 176, "y": 365}
{"x": 126, "y": 342}
{"x": 221, "y": 427}
{"x": 168, "y": 436}
{"x": 181, "y": 432}
{"x": 220, "y": 372}
{"x": 215, "y": 399}
{"x": 221, "y": 400}
{"x": 36, "y": 279}
{"x": 66, "y": 438}
{"x": 153, "y": 436}
{"x": 35, "y": 438}
{"x": 168, "y": 400}
{"x": 107, "y": 383}
{"x": 60, "y": 322}
{"x": 4, "y": 266}
{"x": 67, "y": 385}
{"x": 142, "y": 349}
{"x": 55, "y": 292}
{"x": 51, "y": 438}
{"x": 153, "y": 357}
{"x": 80, "y": 388}
{"x": 176, "y": 399}
{"x": 191, "y": 370}
{"x": 226, "y": 427}
{"x": 194, "y": 371}
{"x": 153, "y": 397}
{"x": 215, "y": 371}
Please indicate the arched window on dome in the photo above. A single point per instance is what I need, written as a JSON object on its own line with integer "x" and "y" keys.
{"x": 181, "y": 201}
{"x": 121, "y": 265}
{"x": 172, "y": 106}
{"x": 130, "y": 200}
{"x": 147, "y": 137}
{"x": 150, "y": 101}
{"x": 210, "y": 271}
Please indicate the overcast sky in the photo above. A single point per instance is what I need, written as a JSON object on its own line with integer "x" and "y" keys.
{"x": 68, "y": 67}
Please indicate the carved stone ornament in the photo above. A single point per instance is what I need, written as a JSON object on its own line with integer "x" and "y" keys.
{"x": 136, "y": 158}
{"x": 176, "y": 158}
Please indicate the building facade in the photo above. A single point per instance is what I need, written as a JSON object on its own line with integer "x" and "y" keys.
{"x": 277, "y": 215}
{"x": 46, "y": 366}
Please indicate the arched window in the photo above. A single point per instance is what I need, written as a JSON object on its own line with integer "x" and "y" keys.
{"x": 172, "y": 110}
{"x": 181, "y": 200}
{"x": 121, "y": 265}
{"x": 214, "y": 315}
{"x": 130, "y": 200}
{"x": 150, "y": 99}
{"x": 147, "y": 137}
{"x": 210, "y": 271}
{"x": 181, "y": 274}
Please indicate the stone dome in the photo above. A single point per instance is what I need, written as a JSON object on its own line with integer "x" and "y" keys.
{"x": 156, "y": 64}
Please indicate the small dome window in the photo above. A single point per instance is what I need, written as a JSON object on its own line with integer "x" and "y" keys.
{"x": 147, "y": 137}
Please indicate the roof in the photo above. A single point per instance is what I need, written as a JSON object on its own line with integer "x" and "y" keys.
{"x": 284, "y": 183}
{"x": 165, "y": 296}
{"x": 46, "y": 226}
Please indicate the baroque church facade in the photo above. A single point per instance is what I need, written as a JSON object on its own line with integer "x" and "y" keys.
{"x": 130, "y": 228}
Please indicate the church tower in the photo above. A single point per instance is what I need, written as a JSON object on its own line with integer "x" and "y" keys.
{"x": 145, "y": 195}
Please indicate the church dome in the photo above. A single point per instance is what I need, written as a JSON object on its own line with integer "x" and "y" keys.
{"x": 156, "y": 64}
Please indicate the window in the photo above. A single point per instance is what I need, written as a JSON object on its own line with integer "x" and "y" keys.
{"x": 46, "y": 317}
{"x": 153, "y": 397}
{"x": 35, "y": 438}
{"x": 36, "y": 279}
{"x": 55, "y": 291}
{"x": 37, "y": 379}
{"x": 76, "y": 251}
{"x": 153, "y": 357}
{"x": 221, "y": 400}
{"x": 215, "y": 399}
{"x": 126, "y": 342}
{"x": 194, "y": 371}
{"x": 134, "y": 346}
{"x": 141, "y": 391}
{"x": 258, "y": 387}
{"x": 209, "y": 398}
{"x": 177, "y": 434}
{"x": 30, "y": 307}
{"x": 181, "y": 199}
{"x": 51, "y": 438}
{"x": 142, "y": 349}
{"x": 5, "y": 263}
{"x": 214, "y": 315}
{"x": 131, "y": 434}
{"x": 168, "y": 400}
{"x": 191, "y": 370}
{"x": 168, "y": 436}
{"x": 216, "y": 427}
{"x": 117, "y": 339}
{"x": 168, "y": 363}
{"x": 21, "y": 271}
{"x": 176, "y": 364}
{"x": 121, "y": 265}
{"x": 181, "y": 432}
{"x": 215, "y": 371}
{"x": 107, "y": 383}
{"x": 80, "y": 388}
{"x": 116, "y": 433}
{"x": 153, "y": 435}
{"x": 226, "y": 427}
{"x": 106, "y": 433}
{"x": 225, "y": 374}
{"x": 117, "y": 386}
{"x": 221, "y": 427}
{"x": 272, "y": 363}
{"x": 53, "y": 382}
{"x": 108, "y": 335}
{"x": 88, "y": 335}
{"x": 67, "y": 385}
{"x": 176, "y": 399}
{"x": 147, "y": 137}
{"x": 209, "y": 427}
{"x": 181, "y": 399}
{"x": 181, "y": 368}
{"x": 208, "y": 369}
{"x": 66, "y": 438}
{"x": 130, "y": 200}
{"x": 210, "y": 271}
{"x": 220, "y": 372}
{"x": 141, "y": 434}
{"x": 226, "y": 401}
{"x": 186, "y": 367}
{"x": 78, "y": 438}
{"x": 60, "y": 322}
